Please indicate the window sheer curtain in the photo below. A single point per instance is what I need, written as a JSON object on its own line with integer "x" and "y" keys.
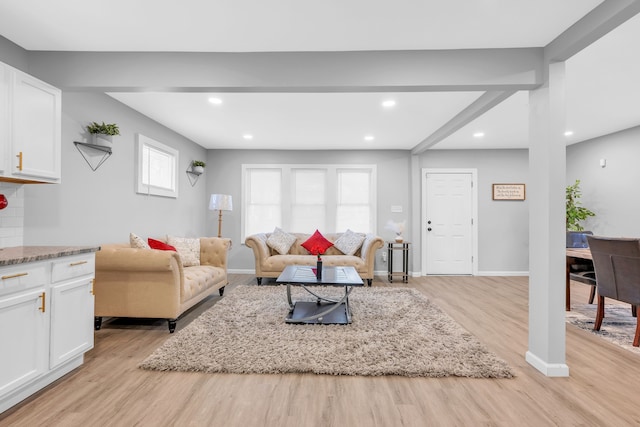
{"x": 330, "y": 198}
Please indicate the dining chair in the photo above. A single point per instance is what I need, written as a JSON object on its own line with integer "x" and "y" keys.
{"x": 617, "y": 267}
{"x": 582, "y": 272}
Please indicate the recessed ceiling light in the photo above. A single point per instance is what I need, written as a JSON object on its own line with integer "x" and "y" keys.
{"x": 215, "y": 101}
{"x": 369, "y": 138}
{"x": 389, "y": 103}
{"x": 568, "y": 133}
{"x": 478, "y": 134}
{"x": 247, "y": 136}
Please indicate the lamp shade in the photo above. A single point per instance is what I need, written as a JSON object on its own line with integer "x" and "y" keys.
{"x": 220, "y": 202}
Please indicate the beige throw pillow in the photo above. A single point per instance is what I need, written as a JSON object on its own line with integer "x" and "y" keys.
{"x": 188, "y": 248}
{"x": 349, "y": 242}
{"x": 137, "y": 242}
{"x": 281, "y": 241}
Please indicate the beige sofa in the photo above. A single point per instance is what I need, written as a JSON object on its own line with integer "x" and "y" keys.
{"x": 152, "y": 283}
{"x": 269, "y": 263}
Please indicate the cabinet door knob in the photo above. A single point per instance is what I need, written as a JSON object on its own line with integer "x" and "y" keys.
{"x": 19, "y": 156}
{"x": 13, "y": 276}
{"x": 42, "y": 307}
{"x": 73, "y": 264}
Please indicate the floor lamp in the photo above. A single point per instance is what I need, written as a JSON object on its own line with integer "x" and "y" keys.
{"x": 220, "y": 202}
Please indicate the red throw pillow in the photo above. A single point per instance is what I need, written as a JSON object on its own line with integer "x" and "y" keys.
{"x": 157, "y": 244}
{"x": 317, "y": 244}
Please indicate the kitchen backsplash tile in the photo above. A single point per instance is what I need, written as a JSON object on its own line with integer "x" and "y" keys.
{"x": 12, "y": 217}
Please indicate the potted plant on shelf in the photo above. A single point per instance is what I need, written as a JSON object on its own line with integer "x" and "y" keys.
{"x": 197, "y": 166}
{"x": 103, "y": 133}
{"x": 575, "y": 212}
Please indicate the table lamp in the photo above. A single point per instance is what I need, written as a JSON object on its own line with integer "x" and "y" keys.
{"x": 220, "y": 202}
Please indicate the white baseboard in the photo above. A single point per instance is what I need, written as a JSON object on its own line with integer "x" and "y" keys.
{"x": 241, "y": 271}
{"x": 549, "y": 369}
{"x": 503, "y": 273}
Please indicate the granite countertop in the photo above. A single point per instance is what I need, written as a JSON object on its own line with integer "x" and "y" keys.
{"x": 22, "y": 254}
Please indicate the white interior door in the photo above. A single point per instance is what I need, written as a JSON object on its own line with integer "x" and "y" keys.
{"x": 449, "y": 223}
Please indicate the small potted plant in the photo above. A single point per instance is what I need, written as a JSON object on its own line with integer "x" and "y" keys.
{"x": 197, "y": 166}
{"x": 103, "y": 133}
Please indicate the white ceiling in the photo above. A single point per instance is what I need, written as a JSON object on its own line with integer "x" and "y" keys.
{"x": 602, "y": 82}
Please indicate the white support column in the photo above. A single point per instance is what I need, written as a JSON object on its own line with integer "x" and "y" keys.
{"x": 546, "y": 193}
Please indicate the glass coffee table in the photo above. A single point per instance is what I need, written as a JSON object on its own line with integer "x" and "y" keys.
{"x": 323, "y": 310}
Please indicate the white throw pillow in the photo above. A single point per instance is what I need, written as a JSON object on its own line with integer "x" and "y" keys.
{"x": 137, "y": 242}
{"x": 349, "y": 242}
{"x": 188, "y": 248}
{"x": 281, "y": 241}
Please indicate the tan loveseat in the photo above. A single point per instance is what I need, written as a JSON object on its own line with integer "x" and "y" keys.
{"x": 152, "y": 283}
{"x": 270, "y": 263}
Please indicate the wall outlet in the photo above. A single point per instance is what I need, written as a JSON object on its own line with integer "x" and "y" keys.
{"x": 384, "y": 257}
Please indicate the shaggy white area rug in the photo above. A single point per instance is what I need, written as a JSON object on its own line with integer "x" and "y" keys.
{"x": 618, "y": 325}
{"x": 395, "y": 331}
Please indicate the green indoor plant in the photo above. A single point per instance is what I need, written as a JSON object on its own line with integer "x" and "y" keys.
{"x": 575, "y": 212}
{"x": 103, "y": 133}
{"x": 103, "y": 128}
{"x": 197, "y": 166}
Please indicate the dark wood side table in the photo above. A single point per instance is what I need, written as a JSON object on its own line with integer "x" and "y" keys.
{"x": 398, "y": 246}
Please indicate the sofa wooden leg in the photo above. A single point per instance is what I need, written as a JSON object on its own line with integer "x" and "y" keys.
{"x": 97, "y": 323}
{"x": 172, "y": 325}
{"x": 221, "y": 291}
{"x": 259, "y": 279}
{"x": 369, "y": 281}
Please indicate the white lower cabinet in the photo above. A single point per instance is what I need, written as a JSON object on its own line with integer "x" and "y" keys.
{"x": 46, "y": 323}
{"x": 24, "y": 339}
{"x": 71, "y": 320}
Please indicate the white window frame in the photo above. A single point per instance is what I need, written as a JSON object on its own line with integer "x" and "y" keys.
{"x": 285, "y": 190}
{"x": 143, "y": 186}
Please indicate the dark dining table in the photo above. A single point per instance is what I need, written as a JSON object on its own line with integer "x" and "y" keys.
{"x": 574, "y": 256}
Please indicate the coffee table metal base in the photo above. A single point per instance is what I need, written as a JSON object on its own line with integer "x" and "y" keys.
{"x": 322, "y": 311}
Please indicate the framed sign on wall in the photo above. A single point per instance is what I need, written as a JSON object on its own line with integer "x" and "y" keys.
{"x": 508, "y": 192}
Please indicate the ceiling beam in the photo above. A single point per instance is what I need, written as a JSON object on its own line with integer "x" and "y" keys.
{"x": 366, "y": 71}
{"x": 605, "y": 17}
{"x": 477, "y": 108}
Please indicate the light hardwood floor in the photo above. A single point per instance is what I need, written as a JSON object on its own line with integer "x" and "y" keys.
{"x": 108, "y": 390}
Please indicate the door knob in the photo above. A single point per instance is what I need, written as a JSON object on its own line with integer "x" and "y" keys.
{"x": 429, "y": 229}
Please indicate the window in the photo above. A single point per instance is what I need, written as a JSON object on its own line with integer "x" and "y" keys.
{"x": 303, "y": 198}
{"x": 157, "y": 165}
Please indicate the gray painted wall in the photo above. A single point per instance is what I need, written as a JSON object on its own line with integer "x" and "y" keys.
{"x": 503, "y": 226}
{"x": 223, "y": 175}
{"x": 611, "y": 192}
{"x": 90, "y": 208}
{"x": 14, "y": 55}
{"x": 102, "y": 206}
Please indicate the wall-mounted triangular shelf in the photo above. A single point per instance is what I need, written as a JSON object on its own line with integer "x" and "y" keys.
{"x": 193, "y": 177}
{"x": 94, "y": 155}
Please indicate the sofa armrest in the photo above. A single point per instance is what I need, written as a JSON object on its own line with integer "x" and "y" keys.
{"x": 214, "y": 251}
{"x": 114, "y": 257}
{"x": 258, "y": 242}
{"x": 369, "y": 247}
